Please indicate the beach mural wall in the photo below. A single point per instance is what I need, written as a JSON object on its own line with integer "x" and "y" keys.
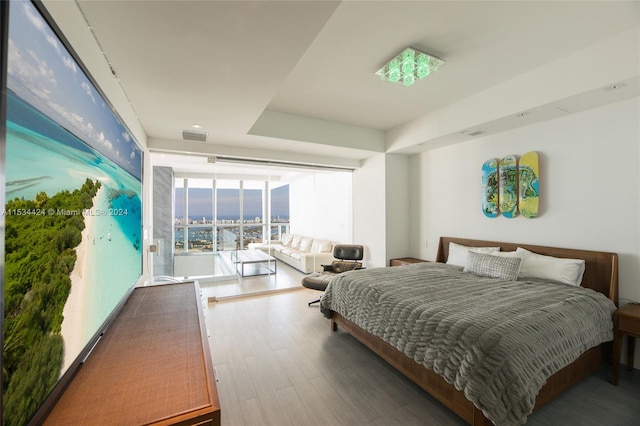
{"x": 73, "y": 213}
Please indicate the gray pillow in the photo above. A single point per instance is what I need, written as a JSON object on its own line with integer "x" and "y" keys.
{"x": 487, "y": 265}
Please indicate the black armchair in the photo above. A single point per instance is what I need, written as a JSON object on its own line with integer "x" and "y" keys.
{"x": 348, "y": 258}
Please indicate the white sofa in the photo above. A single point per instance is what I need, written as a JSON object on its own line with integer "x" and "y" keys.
{"x": 306, "y": 254}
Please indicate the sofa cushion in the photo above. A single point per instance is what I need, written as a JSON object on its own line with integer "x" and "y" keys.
{"x": 305, "y": 244}
{"x": 296, "y": 256}
{"x": 286, "y": 239}
{"x": 320, "y": 246}
{"x": 295, "y": 242}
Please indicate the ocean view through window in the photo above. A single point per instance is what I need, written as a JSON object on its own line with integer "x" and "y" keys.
{"x": 214, "y": 215}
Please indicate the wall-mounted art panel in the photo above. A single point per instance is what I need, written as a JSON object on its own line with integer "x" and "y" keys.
{"x": 508, "y": 169}
{"x": 490, "y": 179}
{"x": 529, "y": 193}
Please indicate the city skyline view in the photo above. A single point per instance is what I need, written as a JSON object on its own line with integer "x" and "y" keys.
{"x": 228, "y": 203}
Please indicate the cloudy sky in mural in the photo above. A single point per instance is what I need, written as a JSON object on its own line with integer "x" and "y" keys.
{"x": 42, "y": 72}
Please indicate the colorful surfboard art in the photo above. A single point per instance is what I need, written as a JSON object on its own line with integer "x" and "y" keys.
{"x": 508, "y": 169}
{"x": 490, "y": 206}
{"x": 529, "y": 184}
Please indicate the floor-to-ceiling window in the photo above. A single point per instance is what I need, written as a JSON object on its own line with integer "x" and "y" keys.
{"x": 194, "y": 217}
{"x": 279, "y": 218}
{"x": 227, "y": 214}
{"x": 254, "y": 212}
{"x": 227, "y": 219}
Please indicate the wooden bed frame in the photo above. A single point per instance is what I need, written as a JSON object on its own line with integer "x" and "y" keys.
{"x": 601, "y": 275}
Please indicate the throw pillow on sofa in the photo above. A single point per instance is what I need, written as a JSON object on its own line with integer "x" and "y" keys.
{"x": 305, "y": 244}
{"x": 286, "y": 239}
{"x": 295, "y": 242}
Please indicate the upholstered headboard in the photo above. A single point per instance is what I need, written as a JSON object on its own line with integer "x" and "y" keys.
{"x": 601, "y": 268}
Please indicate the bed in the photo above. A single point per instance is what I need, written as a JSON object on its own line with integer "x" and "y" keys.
{"x": 490, "y": 349}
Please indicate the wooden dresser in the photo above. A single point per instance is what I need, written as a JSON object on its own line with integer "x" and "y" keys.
{"x": 152, "y": 366}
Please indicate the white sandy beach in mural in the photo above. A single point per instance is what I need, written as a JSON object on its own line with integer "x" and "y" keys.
{"x": 107, "y": 265}
{"x": 73, "y": 322}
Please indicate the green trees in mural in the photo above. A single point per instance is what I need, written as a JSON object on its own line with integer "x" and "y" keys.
{"x": 40, "y": 241}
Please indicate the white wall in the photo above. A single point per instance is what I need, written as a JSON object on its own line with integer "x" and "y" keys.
{"x": 320, "y": 206}
{"x": 397, "y": 194}
{"x": 590, "y": 189}
{"x": 380, "y": 217}
{"x": 369, "y": 210}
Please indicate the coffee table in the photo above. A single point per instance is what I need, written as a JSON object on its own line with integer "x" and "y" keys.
{"x": 257, "y": 258}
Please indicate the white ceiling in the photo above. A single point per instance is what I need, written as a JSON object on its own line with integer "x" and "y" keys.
{"x": 287, "y": 78}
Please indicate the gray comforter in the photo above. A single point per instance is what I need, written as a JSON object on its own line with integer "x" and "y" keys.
{"x": 497, "y": 341}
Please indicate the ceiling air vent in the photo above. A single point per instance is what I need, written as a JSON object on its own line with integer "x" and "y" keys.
{"x": 190, "y": 135}
{"x": 475, "y": 133}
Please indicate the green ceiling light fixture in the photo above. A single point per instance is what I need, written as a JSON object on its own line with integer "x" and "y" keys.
{"x": 409, "y": 66}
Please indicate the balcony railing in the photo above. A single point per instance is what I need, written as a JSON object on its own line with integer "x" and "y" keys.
{"x": 201, "y": 237}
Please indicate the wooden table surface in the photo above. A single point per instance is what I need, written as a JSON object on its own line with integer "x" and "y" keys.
{"x": 152, "y": 366}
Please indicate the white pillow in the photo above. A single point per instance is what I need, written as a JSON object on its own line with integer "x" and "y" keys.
{"x": 295, "y": 241}
{"x": 489, "y": 265}
{"x": 305, "y": 244}
{"x": 458, "y": 253}
{"x": 568, "y": 271}
{"x": 286, "y": 239}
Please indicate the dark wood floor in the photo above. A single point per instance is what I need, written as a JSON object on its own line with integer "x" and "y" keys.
{"x": 279, "y": 364}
